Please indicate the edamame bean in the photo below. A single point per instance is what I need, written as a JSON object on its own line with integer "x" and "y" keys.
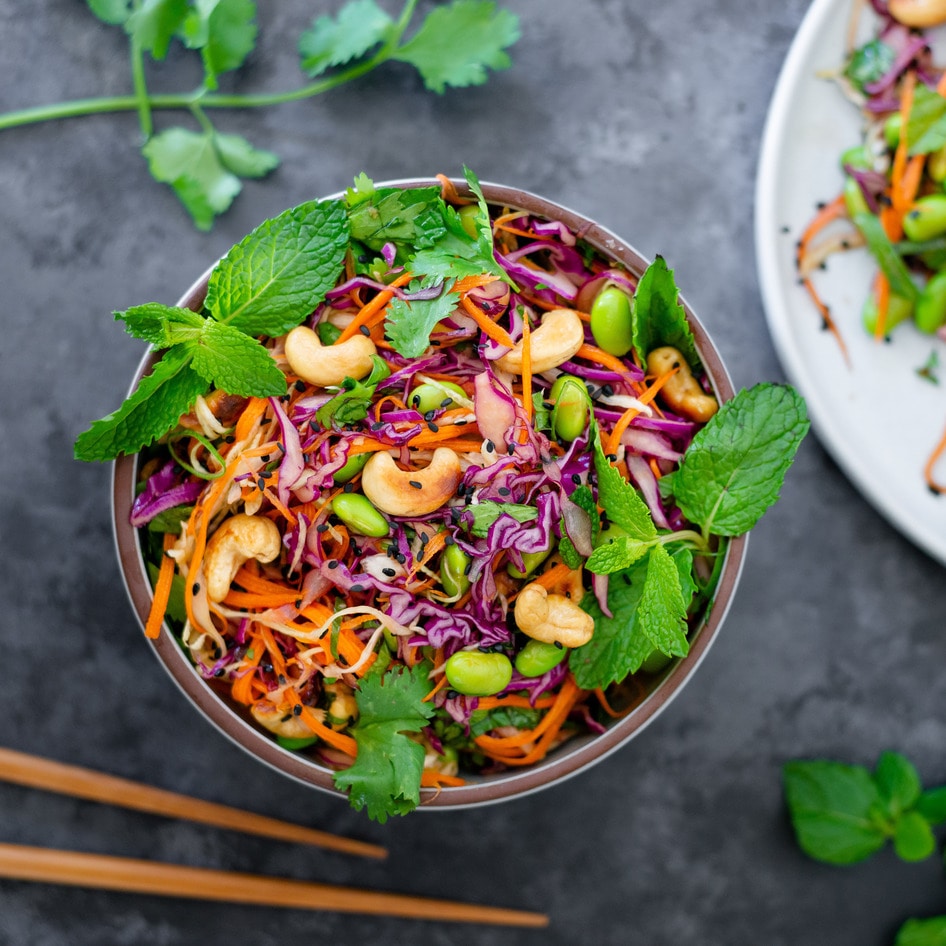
{"x": 611, "y": 321}
{"x": 295, "y": 744}
{"x": 926, "y": 218}
{"x": 856, "y": 157}
{"x": 570, "y": 413}
{"x": 538, "y": 657}
{"x": 454, "y": 565}
{"x": 353, "y": 465}
{"x": 892, "y": 129}
{"x": 327, "y": 332}
{"x": 470, "y": 217}
{"x": 936, "y": 165}
{"x": 930, "y": 310}
{"x": 356, "y": 511}
{"x": 530, "y": 562}
{"x": 898, "y": 310}
{"x": 430, "y": 397}
{"x": 474, "y": 673}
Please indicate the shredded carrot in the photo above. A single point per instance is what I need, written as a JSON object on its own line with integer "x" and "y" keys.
{"x": 527, "y": 370}
{"x": 882, "y": 295}
{"x": 339, "y": 740}
{"x": 372, "y": 308}
{"x": 941, "y": 85}
{"x": 439, "y": 685}
{"x": 513, "y": 699}
{"x": 496, "y": 332}
{"x": 598, "y": 356}
{"x": 462, "y": 286}
{"x": 929, "y": 468}
{"x": 449, "y": 193}
{"x": 249, "y": 418}
{"x": 432, "y": 779}
{"x": 614, "y": 438}
{"x": 162, "y": 589}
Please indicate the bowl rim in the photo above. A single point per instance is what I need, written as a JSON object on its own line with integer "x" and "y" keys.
{"x": 577, "y": 754}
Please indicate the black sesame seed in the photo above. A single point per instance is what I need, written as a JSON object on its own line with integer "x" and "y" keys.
{"x": 430, "y": 415}
{"x": 348, "y": 488}
{"x": 401, "y": 557}
{"x": 432, "y": 427}
{"x": 219, "y": 672}
{"x": 449, "y": 540}
{"x": 607, "y": 390}
{"x": 282, "y": 679}
{"x": 377, "y": 425}
{"x": 333, "y": 563}
{"x": 357, "y": 588}
{"x": 297, "y": 709}
{"x": 298, "y": 604}
{"x": 490, "y": 446}
{"x": 365, "y": 330}
{"x": 504, "y": 490}
{"x": 389, "y": 572}
{"x": 576, "y": 479}
{"x": 559, "y": 645}
{"x": 299, "y": 385}
{"x": 416, "y": 484}
{"x": 446, "y": 402}
{"x": 415, "y": 401}
{"x": 195, "y": 588}
{"x": 229, "y": 439}
{"x": 511, "y": 449}
{"x": 261, "y": 483}
{"x": 322, "y": 527}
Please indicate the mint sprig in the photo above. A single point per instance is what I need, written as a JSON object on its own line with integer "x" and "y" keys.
{"x": 453, "y": 45}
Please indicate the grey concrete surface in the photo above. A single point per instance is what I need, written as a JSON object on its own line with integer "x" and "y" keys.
{"x": 647, "y": 117}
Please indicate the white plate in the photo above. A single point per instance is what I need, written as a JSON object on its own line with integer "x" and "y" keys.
{"x": 877, "y": 417}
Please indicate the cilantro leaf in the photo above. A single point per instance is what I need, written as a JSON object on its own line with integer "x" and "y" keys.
{"x": 927, "y": 932}
{"x": 657, "y": 317}
{"x": 385, "y": 777}
{"x": 869, "y": 62}
{"x": 235, "y": 362}
{"x": 834, "y": 810}
{"x": 276, "y": 275}
{"x": 487, "y": 512}
{"x": 238, "y": 156}
{"x": 932, "y": 805}
{"x": 458, "y": 43}
{"x": 225, "y": 33}
{"x": 352, "y": 403}
{"x": 153, "y": 407}
{"x": 333, "y": 42}
{"x": 734, "y": 468}
{"x": 154, "y": 23}
{"x": 411, "y": 216}
{"x": 410, "y": 322}
{"x": 619, "y": 499}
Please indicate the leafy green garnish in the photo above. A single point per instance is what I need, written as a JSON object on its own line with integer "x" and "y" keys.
{"x": 351, "y": 404}
{"x": 657, "y": 317}
{"x": 410, "y": 216}
{"x": 926, "y": 126}
{"x": 842, "y": 813}
{"x": 487, "y": 512}
{"x": 868, "y": 63}
{"x": 927, "y": 932}
{"x": 583, "y": 497}
{"x": 454, "y": 45}
{"x": 410, "y": 322}
{"x": 886, "y": 255}
{"x": 385, "y": 777}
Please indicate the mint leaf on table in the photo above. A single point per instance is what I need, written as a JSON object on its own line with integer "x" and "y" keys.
{"x": 277, "y": 274}
{"x": 898, "y": 783}
{"x": 225, "y": 33}
{"x": 835, "y": 810}
{"x": 734, "y": 468}
{"x": 150, "y": 411}
{"x": 458, "y": 43}
{"x": 926, "y": 932}
{"x": 657, "y": 317}
{"x": 235, "y": 362}
{"x": 913, "y": 838}
{"x": 358, "y": 27}
{"x": 648, "y": 612}
{"x": 410, "y": 321}
{"x": 152, "y": 24}
{"x": 385, "y": 777}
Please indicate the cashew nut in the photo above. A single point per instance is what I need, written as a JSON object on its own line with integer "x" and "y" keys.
{"x": 411, "y": 492}
{"x": 279, "y": 722}
{"x": 241, "y": 537}
{"x": 552, "y": 618}
{"x": 559, "y": 336}
{"x": 682, "y": 391}
{"x": 328, "y": 365}
{"x": 920, "y": 14}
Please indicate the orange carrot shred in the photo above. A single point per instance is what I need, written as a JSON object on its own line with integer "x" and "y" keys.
{"x": 162, "y": 590}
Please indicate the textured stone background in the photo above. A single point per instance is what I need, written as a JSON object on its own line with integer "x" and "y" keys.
{"x": 647, "y": 117}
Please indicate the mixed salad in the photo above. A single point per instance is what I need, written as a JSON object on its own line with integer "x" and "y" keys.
{"x": 430, "y": 486}
{"x": 892, "y": 200}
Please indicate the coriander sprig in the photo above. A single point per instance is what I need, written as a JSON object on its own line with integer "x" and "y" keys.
{"x": 454, "y": 45}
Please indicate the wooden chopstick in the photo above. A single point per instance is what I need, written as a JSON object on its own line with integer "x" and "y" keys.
{"x": 129, "y": 875}
{"x": 21, "y": 768}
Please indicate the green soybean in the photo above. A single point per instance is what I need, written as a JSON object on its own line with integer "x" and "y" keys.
{"x": 430, "y": 397}
{"x": 936, "y": 165}
{"x": 898, "y": 310}
{"x": 926, "y": 218}
{"x": 297, "y": 743}
{"x": 611, "y": 321}
{"x": 530, "y": 562}
{"x": 470, "y": 217}
{"x": 353, "y": 465}
{"x": 475, "y": 673}
{"x": 570, "y": 413}
{"x": 327, "y": 332}
{"x": 930, "y": 310}
{"x": 454, "y": 565}
{"x": 356, "y": 511}
{"x": 892, "y": 128}
{"x": 856, "y": 157}
{"x": 538, "y": 657}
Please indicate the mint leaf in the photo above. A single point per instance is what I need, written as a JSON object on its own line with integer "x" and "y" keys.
{"x": 458, "y": 43}
{"x": 898, "y": 783}
{"x": 834, "y": 810}
{"x": 113, "y": 12}
{"x": 332, "y": 42}
{"x": 932, "y": 805}
{"x": 619, "y": 499}
{"x": 487, "y": 512}
{"x": 657, "y": 316}
{"x": 410, "y": 216}
{"x": 385, "y": 777}
{"x": 926, "y": 127}
{"x": 735, "y": 466}
{"x": 584, "y": 498}
{"x": 662, "y": 610}
{"x": 154, "y": 23}
{"x": 410, "y": 322}
{"x": 153, "y": 322}
{"x": 912, "y": 837}
{"x": 153, "y": 408}
{"x": 617, "y": 554}
{"x": 928, "y": 932}
{"x": 225, "y": 33}
{"x": 235, "y": 362}
{"x": 189, "y": 162}
{"x": 277, "y": 274}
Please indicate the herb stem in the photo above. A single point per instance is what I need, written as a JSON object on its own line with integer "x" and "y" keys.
{"x": 141, "y": 90}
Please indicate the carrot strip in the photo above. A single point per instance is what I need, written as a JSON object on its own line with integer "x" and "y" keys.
{"x": 603, "y": 358}
{"x": 527, "y": 369}
{"x": 372, "y": 308}
{"x": 882, "y": 295}
{"x": 941, "y": 85}
{"x": 462, "y": 286}
{"x": 564, "y": 701}
{"x": 339, "y": 740}
{"x": 162, "y": 590}
{"x": 929, "y": 467}
{"x": 440, "y": 684}
{"x": 496, "y": 332}
{"x": 249, "y": 418}
{"x": 614, "y": 439}
{"x": 431, "y": 779}
{"x": 513, "y": 699}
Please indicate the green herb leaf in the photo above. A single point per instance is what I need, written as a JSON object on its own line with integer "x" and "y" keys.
{"x": 153, "y": 408}
{"x": 657, "y": 316}
{"x": 235, "y": 362}
{"x": 113, "y": 12}
{"x": 735, "y": 466}
{"x": 868, "y": 63}
{"x": 385, "y": 777}
{"x": 888, "y": 259}
{"x": 584, "y": 498}
{"x": 458, "y": 43}
{"x": 487, "y": 512}
{"x": 154, "y": 23}
{"x": 617, "y": 554}
{"x": 928, "y": 932}
{"x": 932, "y": 805}
{"x": 834, "y": 810}
{"x": 410, "y": 216}
{"x": 912, "y": 837}
{"x": 276, "y": 275}
{"x": 410, "y": 322}
{"x": 926, "y": 127}
{"x": 352, "y": 403}
{"x": 332, "y": 42}
{"x": 225, "y": 33}
{"x": 153, "y": 322}
{"x": 620, "y": 500}
{"x": 898, "y": 783}
{"x": 484, "y": 721}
